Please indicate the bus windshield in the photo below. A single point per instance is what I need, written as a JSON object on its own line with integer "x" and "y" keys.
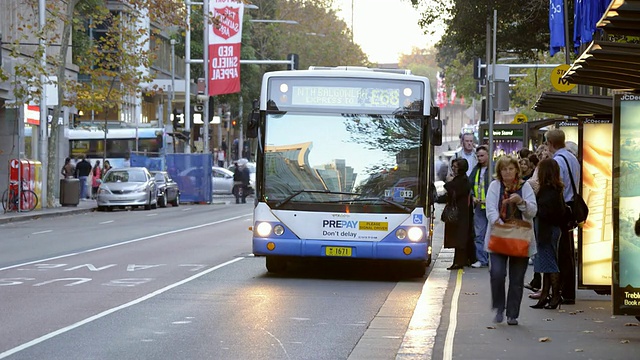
{"x": 321, "y": 158}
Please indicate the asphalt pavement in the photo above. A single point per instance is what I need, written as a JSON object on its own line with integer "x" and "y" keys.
{"x": 452, "y": 318}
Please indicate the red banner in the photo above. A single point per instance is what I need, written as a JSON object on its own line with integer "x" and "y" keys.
{"x": 225, "y": 37}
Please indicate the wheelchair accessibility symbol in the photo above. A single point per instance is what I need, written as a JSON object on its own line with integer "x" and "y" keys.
{"x": 417, "y": 219}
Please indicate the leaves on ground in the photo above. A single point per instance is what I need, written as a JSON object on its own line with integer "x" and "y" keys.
{"x": 579, "y": 350}
{"x": 471, "y": 293}
{"x": 548, "y": 319}
{"x": 544, "y": 339}
{"x": 624, "y": 341}
{"x": 491, "y": 327}
{"x": 631, "y": 324}
{"x": 587, "y": 331}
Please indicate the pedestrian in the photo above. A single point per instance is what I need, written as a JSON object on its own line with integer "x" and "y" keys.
{"x": 220, "y": 157}
{"x": 525, "y": 168}
{"x": 241, "y": 177}
{"x": 467, "y": 152}
{"x": 127, "y": 161}
{"x": 479, "y": 186}
{"x": 96, "y": 176}
{"x": 542, "y": 152}
{"x": 509, "y": 197}
{"x": 68, "y": 170}
{"x": 549, "y": 220}
{"x": 106, "y": 167}
{"x": 459, "y": 235}
{"x": 83, "y": 170}
{"x": 569, "y": 168}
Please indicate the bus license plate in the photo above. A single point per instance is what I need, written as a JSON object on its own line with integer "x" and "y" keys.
{"x": 337, "y": 251}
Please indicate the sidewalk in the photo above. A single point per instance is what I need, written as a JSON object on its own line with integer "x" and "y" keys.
{"x": 464, "y": 328}
{"x": 82, "y": 207}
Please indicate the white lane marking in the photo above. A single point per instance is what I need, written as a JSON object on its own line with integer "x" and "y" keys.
{"x": 153, "y": 214}
{"x": 186, "y": 209}
{"x": 127, "y": 242}
{"x": 111, "y": 311}
{"x": 41, "y": 232}
{"x": 106, "y": 222}
{"x": 453, "y": 319}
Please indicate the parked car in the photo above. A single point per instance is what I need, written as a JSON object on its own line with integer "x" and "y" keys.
{"x": 127, "y": 187}
{"x": 221, "y": 180}
{"x": 168, "y": 190}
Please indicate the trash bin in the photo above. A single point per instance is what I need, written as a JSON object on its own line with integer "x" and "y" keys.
{"x": 69, "y": 192}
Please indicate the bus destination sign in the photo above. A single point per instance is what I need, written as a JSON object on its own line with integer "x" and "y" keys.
{"x": 346, "y": 96}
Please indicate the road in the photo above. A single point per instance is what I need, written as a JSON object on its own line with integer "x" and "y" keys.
{"x": 178, "y": 283}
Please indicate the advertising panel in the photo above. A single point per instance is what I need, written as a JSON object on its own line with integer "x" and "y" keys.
{"x": 225, "y": 36}
{"x": 626, "y": 205}
{"x": 595, "y": 249}
{"x": 508, "y": 139}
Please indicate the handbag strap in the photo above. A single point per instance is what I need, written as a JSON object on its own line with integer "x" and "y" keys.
{"x": 573, "y": 185}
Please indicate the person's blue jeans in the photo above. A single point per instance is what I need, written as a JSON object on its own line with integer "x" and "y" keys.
{"x": 498, "y": 274}
{"x": 480, "y": 227}
{"x": 83, "y": 186}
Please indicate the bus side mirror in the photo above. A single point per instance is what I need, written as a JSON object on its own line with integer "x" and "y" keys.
{"x": 252, "y": 124}
{"x": 436, "y": 132}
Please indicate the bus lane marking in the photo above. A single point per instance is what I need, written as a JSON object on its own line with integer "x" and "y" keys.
{"x": 177, "y": 231}
{"x": 41, "y": 232}
{"x": 112, "y": 310}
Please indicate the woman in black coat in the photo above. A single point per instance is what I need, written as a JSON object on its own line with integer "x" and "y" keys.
{"x": 459, "y": 235}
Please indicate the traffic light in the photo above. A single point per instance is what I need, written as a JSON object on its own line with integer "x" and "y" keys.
{"x": 295, "y": 62}
{"x": 234, "y": 122}
{"x": 178, "y": 114}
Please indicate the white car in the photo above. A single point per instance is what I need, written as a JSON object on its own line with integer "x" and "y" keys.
{"x": 221, "y": 180}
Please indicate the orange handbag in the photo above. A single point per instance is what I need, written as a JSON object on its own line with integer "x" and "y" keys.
{"x": 512, "y": 238}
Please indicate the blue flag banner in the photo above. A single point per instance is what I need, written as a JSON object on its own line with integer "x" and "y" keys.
{"x": 556, "y": 26}
{"x": 586, "y": 15}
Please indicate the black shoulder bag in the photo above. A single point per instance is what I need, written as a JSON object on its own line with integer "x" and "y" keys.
{"x": 450, "y": 212}
{"x": 576, "y": 210}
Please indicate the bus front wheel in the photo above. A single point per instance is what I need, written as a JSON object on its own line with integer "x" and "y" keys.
{"x": 276, "y": 264}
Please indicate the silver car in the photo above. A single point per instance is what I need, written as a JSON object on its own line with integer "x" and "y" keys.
{"x": 127, "y": 187}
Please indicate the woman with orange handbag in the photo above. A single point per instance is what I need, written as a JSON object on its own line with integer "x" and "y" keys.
{"x": 509, "y": 197}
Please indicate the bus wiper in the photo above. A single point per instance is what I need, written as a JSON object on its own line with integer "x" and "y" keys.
{"x": 298, "y": 192}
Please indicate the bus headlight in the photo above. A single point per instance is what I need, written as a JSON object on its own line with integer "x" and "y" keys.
{"x": 263, "y": 229}
{"x": 278, "y": 229}
{"x": 401, "y": 234}
{"x": 415, "y": 234}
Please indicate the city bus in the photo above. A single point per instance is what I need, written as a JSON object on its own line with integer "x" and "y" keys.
{"x": 344, "y": 167}
{"x": 121, "y": 143}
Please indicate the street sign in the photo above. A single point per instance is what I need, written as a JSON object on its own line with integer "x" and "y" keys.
{"x": 520, "y": 119}
{"x": 556, "y": 78}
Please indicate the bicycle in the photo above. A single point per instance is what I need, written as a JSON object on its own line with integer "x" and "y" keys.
{"x": 10, "y": 198}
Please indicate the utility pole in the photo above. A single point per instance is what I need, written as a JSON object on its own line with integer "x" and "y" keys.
{"x": 205, "y": 61}
{"x": 44, "y": 128}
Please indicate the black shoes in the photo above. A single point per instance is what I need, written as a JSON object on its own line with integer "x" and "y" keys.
{"x": 555, "y": 303}
{"x": 531, "y": 287}
{"x": 541, "y": 303}
{"x": 455, "y": 267}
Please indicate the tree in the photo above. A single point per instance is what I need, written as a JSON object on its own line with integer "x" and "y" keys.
{"x": 113, "y": 65}
{"x": 523, "y": 27}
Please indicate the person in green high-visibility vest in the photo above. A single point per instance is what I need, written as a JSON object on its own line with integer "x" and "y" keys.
{"x": 480, "y": 180}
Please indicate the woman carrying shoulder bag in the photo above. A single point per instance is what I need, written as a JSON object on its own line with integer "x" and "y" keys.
{"x": 459, "y": 234}
{"x": 509, "y": 198}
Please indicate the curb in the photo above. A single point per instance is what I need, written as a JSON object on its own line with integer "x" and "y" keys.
{"x": 38, "y": 215}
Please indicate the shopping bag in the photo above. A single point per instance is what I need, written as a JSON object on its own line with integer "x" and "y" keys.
{"x": 512, "y": 238}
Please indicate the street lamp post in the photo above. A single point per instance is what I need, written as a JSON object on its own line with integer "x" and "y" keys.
{"x": 172, "y": 93}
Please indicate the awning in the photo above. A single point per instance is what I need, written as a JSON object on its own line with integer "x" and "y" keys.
{"x": 621, "y": 18}
{"x": 573, "y": 105}
{"x": 607, "y": 64}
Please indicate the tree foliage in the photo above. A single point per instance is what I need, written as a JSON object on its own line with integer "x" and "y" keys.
{"x": 112, "y": 66}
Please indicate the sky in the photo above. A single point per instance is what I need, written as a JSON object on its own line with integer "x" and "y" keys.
{"x": 384, "y": 29}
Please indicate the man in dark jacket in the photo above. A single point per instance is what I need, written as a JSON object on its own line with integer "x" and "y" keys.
{"x": 83, "y": 169}
{"x": 241, "y": 177}
{"x": 480, "y": 180}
